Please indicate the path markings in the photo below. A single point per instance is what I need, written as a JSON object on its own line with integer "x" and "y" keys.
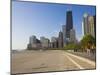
{"x": 82, "y": 59}
{"x": 79, "y": 66}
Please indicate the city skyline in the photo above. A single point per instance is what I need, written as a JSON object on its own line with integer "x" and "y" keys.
{"x": 45, "y": 15}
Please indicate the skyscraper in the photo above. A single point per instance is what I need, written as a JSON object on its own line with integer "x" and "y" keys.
{"x": 91, "y": 26}
{"x": 69, "y": 23}
{"x": 32, "y": 39}
{"x": 54, "y": 42}
{"x": 44, "y": 42}
{"x": 82, "y": 28}
{"x": 34, "y": 43}
{"x": 85, "y": 24}
{"x": 64, "y": 34}
{"x": 60, "y": 40}
{"x": 72, "y": 36}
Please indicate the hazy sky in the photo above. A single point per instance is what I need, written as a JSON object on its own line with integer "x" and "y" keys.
{"x": 42, "y": 19}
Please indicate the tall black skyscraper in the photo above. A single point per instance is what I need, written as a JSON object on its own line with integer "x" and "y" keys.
{"x": 69, "y": 23}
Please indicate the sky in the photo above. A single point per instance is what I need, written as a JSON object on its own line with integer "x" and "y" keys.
{"x": 44, "y": 19}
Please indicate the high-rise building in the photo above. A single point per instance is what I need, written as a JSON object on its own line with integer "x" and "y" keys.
{"x": 44, "y": 42}
{"x": 82, "y": 28}
{"x": 32, "y": 39}
{"x": 72, "y": 36}
{"x": 91, "y": 26}
{"x": 60, "y": 40}
{"x": 34, "y": 43}
{"x": 85, "y": 24}
{"x": 54, "y": 42}
{"x": 64, "y": 35}
{"x": 69, "y": 23}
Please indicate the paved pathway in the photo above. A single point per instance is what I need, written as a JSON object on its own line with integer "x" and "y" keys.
{"x": 51, "y": 60}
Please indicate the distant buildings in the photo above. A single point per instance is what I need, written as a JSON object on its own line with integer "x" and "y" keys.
{"x": 54, "y": 42}
{"x": 83, "y": 29}
{"x": 34, "y": 43}
{"x": 45, "y": 42}
{"x": 89, "y": 25}
{"x": 68, "y": 31}
{"x": 32, "y": 39}
{"x": 69, "y": 23}
{"x": 66, "y": 35}
{"x": 85, "y": 24}
{"x": 60, "y": 40}
{"x": 72, "y": 36}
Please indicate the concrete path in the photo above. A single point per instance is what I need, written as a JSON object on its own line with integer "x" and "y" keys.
{"x": 50, "y": 60}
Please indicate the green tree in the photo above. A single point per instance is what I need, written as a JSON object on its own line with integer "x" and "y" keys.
{"x": 88, "y": 41}
{"x": 72, "y": 46}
